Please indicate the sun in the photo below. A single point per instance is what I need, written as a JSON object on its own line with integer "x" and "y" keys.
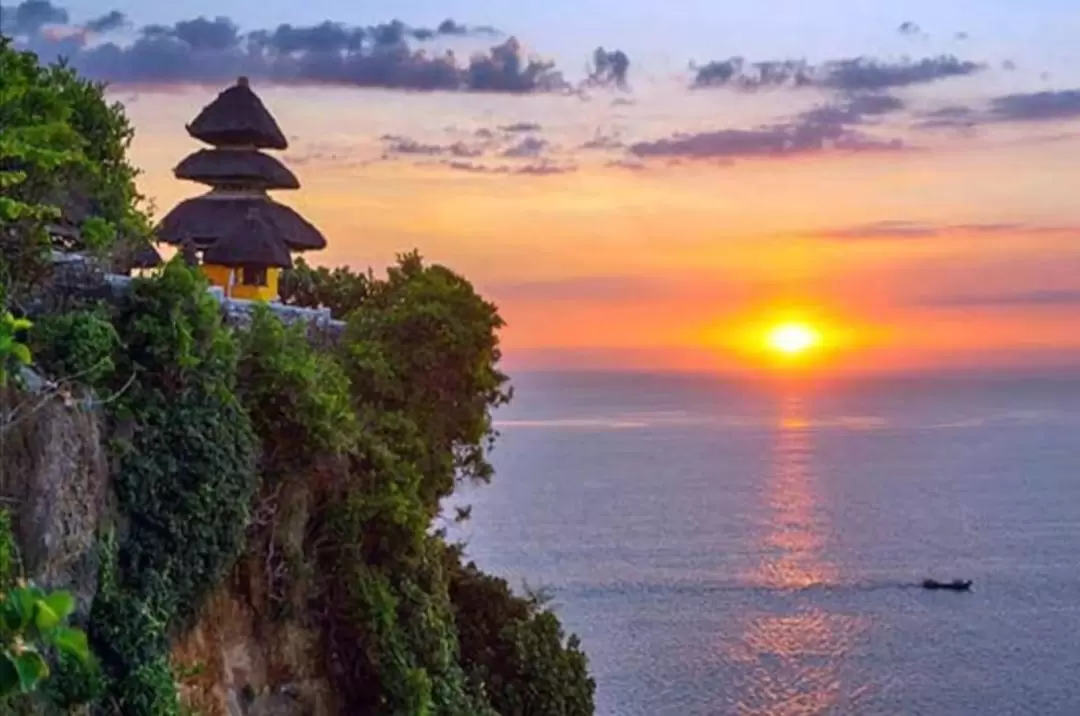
{"x": 792, "y": 339}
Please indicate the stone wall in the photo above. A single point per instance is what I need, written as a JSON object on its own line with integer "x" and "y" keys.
{"x": 77, "y": 278}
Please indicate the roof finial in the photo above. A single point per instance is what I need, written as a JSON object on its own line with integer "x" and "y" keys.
{"x": 242, "y": 81}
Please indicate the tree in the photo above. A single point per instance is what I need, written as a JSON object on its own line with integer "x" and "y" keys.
{"x": 62, "y": 158}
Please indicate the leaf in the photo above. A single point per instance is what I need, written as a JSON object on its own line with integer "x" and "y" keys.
{"x": 32, "y": 670}
{"x": 72, "y": 642}
{"x": 9, "y": 676}
{"x": 19, "y": 608}
{"x": 63, "y": 603}
{"x": 52, "y": 609}
{"x": 44, "y": 617}
{"x": 21, "y": 354}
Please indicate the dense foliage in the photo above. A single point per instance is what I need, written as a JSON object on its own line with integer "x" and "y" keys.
{"x": 515, "y": 649}
{"x": 14, "y": 354}
{"x": 79, "y": 345}
{"x": 185, "y": 478}
{"x": 34, "y": 628}
{"x": 323, "y": 466}
{"x": 62, "y": 156}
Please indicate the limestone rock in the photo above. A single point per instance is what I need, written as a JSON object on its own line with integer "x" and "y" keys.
{"x": 54, "y": 480}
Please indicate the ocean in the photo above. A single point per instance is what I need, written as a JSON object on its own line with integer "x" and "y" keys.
{"x": 733, "y": 548}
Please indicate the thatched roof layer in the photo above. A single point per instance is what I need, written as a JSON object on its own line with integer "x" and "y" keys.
{"x": 207, "y": 218}
{"x": 251, "y": 242}
{"x": 217, "y": 167}
{"x": 238, "y": 118}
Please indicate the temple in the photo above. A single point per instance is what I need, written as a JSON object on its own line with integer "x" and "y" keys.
{"x": 241, "y": 236}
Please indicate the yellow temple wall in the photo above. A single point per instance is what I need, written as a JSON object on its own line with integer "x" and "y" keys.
{"x": 219, "y": 276}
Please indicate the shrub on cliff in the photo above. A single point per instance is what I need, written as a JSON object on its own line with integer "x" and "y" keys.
{"x": 185, "y": 478}
{"x": 298, "y": 398}
{"x": 78, "y": 346}
{"x": 515, "y": 649}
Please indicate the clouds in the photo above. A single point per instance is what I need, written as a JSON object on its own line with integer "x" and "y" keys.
{"x": 397, "y": 145}
{"x": 609, "y": 68}
{"x": 857, "y": 74}
{"x": 955, "y": 117}
{"x": 853, "y": 110}
{"x": 488, "y": 151}
{"x": 776, "y": 141}
{"x": 831, "y": 127}
{"x": 1036, "y": 107}
{"x": 866, "y": 74}
{"x": 1033, "y": 107}
{"x": 737, "y": 73}
{"x": 902, "y": 229}
{"x": 540, "y": 169}
{"x": 519, "y": 127}
{"x": 392, "y": 55}
{"x": 31, "y": 16}
{"x": 108, "y": 22}
{"x": 527, "y": 147}
{"x": 1038, "y": 298}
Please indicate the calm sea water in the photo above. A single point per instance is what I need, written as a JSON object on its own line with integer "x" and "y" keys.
{"x": 735, "y": 549}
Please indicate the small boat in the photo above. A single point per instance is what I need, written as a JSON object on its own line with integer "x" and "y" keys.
{"x": 957, "y": 585}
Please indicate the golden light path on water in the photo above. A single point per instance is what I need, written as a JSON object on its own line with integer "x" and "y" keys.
{"x": 791, "y": 662}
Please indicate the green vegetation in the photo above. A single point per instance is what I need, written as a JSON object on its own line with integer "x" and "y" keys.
{"x": 33, "y": 628}
{"x": 14, "y": 354}
{"x": 63, "y": 153}
{"x": 185, "y": 480}
{"x": 78, "y": 345}
{"x": 234, "y": 447}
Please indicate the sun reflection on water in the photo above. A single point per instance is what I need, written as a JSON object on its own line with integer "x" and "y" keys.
{"x": 790, "y": 659}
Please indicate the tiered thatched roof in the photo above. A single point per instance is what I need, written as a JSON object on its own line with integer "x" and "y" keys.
{"x": 237, "y": 224}
{"x": 210, "y": 217}
{"x": 238, "y": 118}
{"x": 236, "y": 167}
{"x": 250, "y": 242}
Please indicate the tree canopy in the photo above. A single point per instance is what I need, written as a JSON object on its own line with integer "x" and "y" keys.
{"x": 63, "y": 159}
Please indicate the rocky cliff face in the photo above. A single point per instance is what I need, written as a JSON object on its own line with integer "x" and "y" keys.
{"x": 54, "y": 481}
{"x": 240, "y": 664}
{"x": 236, "y": 660}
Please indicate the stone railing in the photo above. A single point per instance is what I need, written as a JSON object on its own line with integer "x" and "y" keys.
{"x": 77, "y": 278}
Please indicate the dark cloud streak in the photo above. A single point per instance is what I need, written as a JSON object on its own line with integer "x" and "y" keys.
{"x": 542, "y": 168}
{"x": 906, "y": 229}
{"x": 1046, "y": 298}
{"x": 831, "y": 127}
{"x": 857, "y": 74}
{"x": 1034, "y": 107}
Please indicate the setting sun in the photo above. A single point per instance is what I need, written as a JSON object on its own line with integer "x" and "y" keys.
{"x": 792, "y": 339}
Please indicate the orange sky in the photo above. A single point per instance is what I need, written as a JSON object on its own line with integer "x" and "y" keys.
{"x": 667, "y": 266}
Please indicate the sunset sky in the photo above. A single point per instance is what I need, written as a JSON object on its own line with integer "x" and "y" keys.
{"x": 908, "y": 181}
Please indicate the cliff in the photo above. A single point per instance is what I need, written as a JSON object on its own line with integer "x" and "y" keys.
{"x": 244, "y": 512}
{"x": 244, "y": 500}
